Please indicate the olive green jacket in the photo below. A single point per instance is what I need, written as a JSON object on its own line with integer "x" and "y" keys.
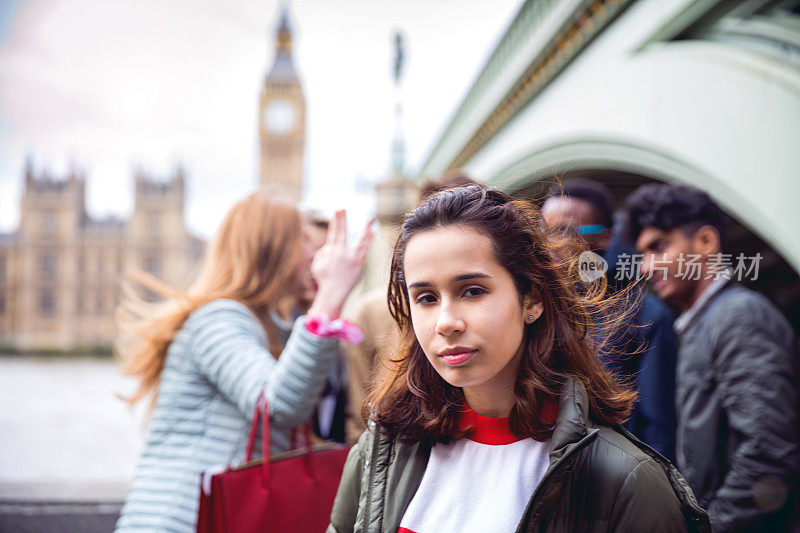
{"x": 599, "y": 479}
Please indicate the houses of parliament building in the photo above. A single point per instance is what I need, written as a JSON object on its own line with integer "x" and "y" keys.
{"x": 60, "y": 271}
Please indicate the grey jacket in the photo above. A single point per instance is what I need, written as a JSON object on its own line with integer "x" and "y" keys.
{"x": 737, "y": 403}
{"x": 216, "y": 367}
{"x": 599, "y": 480}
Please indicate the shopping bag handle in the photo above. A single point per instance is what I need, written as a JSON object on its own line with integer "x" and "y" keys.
{"x": 261, "y": 407}
{"x": 262, "y": 411}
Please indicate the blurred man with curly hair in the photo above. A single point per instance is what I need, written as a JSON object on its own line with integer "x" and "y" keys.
{"x": 737, "y": 376}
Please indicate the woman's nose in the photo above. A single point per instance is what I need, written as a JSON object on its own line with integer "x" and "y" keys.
{"x": 449, "y": 322}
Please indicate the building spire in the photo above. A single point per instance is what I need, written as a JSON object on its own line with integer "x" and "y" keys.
{"x": 283, "y": 33}
{"x": 282, "y": 70}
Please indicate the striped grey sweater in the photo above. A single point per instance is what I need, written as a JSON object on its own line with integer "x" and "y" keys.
{"x": 215, "y": 370}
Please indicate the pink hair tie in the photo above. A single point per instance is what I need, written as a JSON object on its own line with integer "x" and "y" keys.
{"x": 322, "y": 326}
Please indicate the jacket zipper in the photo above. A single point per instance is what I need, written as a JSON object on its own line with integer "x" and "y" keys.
{"x": 580, "y": 446}
{"x": 371, "y": 476}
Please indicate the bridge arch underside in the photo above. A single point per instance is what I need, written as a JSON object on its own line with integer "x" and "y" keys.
{"x": 715, "y": 115}
{"x": 624, "y": 168}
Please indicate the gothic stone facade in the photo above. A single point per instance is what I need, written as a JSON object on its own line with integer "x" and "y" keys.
{"x": 60, "y": 271}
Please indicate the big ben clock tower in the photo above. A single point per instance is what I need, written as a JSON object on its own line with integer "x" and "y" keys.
{"x": 282, "y": 117}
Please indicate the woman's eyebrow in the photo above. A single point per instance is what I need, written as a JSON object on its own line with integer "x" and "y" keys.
{"x": 470, "y": 275}
{"x": 460, "y": 277}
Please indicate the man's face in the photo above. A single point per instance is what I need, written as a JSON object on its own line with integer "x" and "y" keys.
{"x": 570, "y": 214}
{"x": 664, "y": 254}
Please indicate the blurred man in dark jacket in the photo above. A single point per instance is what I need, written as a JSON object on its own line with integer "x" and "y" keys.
{"x": 737, "y": 398}
{"x": 645, "y": 351}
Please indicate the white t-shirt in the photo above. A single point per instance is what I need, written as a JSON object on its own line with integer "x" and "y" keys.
{"x": 481, "y": 483}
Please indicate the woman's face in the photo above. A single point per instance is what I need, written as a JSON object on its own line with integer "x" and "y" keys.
{"x": 465, "y": 309}
{"x": 313, "y": 239}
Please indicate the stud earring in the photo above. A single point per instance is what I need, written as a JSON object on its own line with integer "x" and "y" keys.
{"x": 530, "y": 318}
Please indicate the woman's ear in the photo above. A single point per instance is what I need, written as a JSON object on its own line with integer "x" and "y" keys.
{"x": 533, "y": 308}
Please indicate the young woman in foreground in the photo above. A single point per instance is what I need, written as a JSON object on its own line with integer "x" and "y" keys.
{"x": 207, "y": 355}
{"x": 498, "y": 415}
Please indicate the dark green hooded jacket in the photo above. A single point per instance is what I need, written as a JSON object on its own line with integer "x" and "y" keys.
{"x": 599, "y": 479}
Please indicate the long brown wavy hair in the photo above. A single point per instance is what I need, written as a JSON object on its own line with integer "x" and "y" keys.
{"x": 415, "y": 404}
{"x": 253, "y": 259}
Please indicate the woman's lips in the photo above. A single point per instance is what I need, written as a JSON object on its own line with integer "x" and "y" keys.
{"x": 455, "y": 359}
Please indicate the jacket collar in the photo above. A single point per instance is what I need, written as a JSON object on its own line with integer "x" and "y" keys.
{"x": 574, "y": 430}
{"x": 687, "y": 317}
{"x": 573, "y": 423}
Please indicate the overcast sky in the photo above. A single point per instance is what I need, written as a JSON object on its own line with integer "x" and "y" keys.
{"x": 109, "y": 84}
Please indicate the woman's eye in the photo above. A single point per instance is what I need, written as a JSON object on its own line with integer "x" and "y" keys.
{"x": 474, "y": 291}
{"x": 425, "y": 299}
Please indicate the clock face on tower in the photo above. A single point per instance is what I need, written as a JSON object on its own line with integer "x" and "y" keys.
{"x": 280, "y": 117}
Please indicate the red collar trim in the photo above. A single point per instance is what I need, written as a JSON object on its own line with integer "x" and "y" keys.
{"x": 486, "y": 429}
{"x": 496, "y": 431}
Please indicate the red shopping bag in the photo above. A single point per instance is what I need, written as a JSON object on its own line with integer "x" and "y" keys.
{"x": 291, "y": 492}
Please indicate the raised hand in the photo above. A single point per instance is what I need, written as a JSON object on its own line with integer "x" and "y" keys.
{"x": 336, "y": 267}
